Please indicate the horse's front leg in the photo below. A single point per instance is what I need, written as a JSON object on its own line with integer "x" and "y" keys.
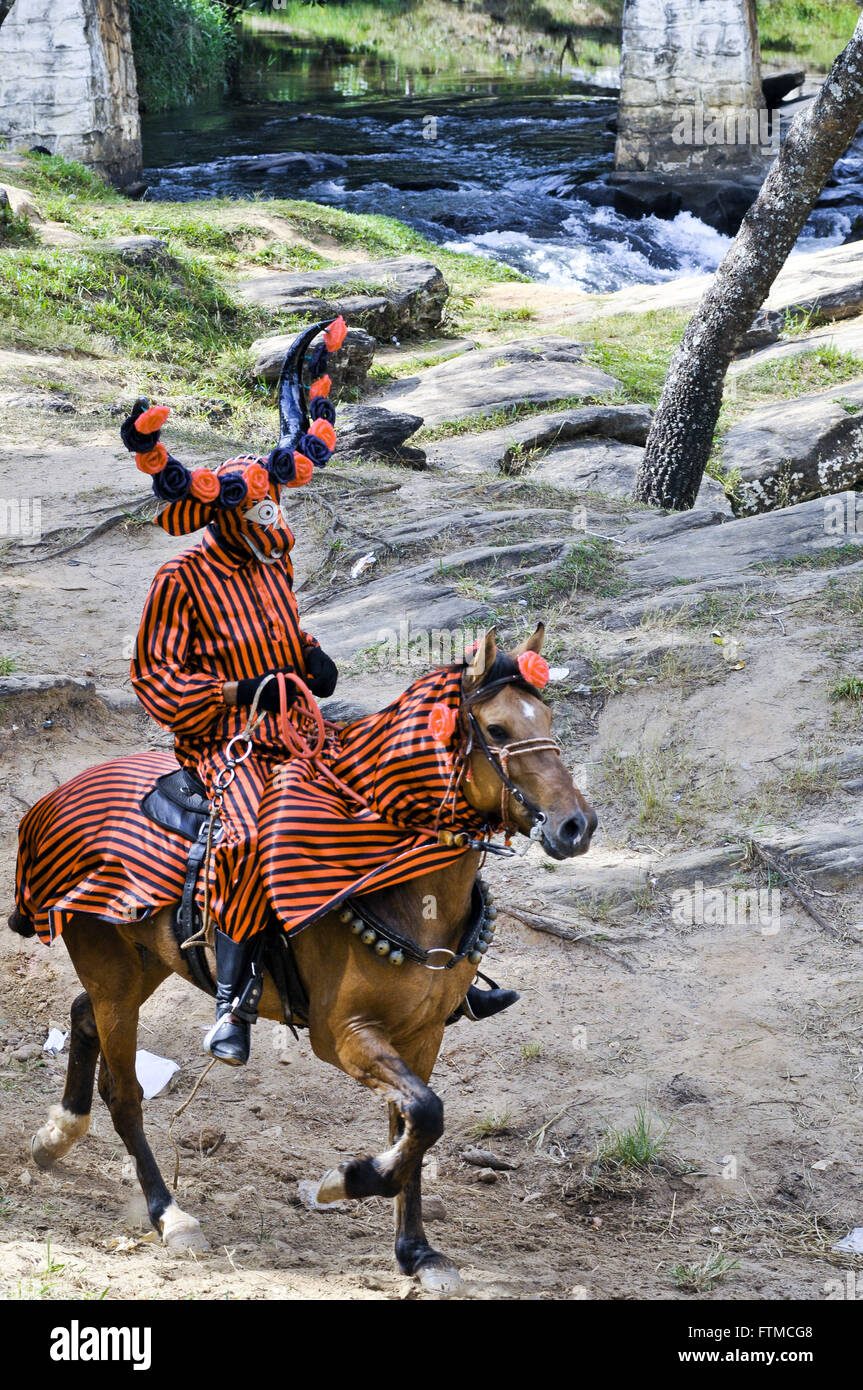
{"x": 436, "y": 1272}
{"x": 367, "y": 1056}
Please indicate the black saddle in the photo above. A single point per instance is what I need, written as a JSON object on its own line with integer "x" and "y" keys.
{"x": 178, "y": 802}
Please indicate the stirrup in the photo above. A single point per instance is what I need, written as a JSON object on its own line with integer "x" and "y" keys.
{"x": 229, "y": 1040}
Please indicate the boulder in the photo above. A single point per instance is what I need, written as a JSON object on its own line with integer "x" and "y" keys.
{"x": 371, "y": 431}
{"x": 762, "y": 332}
{"x": 500, "y": 448}
{"x": 824, "y": 284}
{"x": 347, "y": 367}
{"x": 403, "y": 297}
{"x": 798, "y": 449}
{"x": 141, "y": 251}
{"x": 526, "y": 372}
{"x": 608, "y": 467}
{"x": 21, "y": 202}
{"x": 691, "y": 550}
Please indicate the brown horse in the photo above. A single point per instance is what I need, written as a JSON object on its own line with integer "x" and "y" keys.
{"x": 384, "y": 1029}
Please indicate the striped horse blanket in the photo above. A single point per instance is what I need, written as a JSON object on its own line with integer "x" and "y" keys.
{"x": 88, "y": 848}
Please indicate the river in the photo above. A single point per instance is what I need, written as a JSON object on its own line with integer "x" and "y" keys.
{"x": 484, "y": 162}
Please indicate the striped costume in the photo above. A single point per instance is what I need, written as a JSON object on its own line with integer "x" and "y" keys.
{"x": 213, "y": 615}
{"x": 87, "y": 846}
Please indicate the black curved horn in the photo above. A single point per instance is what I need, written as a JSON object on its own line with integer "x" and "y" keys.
{"x": 293, "y": 415}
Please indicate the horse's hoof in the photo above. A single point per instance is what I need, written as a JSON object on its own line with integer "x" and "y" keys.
{"x": 56, "y": 1138}
{"x": 181, "y": 1233}
{"x": 441, "y": 1279}
{"x": 331, "y": 1187}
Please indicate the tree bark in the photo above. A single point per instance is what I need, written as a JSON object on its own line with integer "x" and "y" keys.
{"x": 681, "y": 436}
{"x": 5, "y": 7}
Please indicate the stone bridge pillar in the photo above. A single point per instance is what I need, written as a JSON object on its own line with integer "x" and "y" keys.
{"x": 690, "y": 89}
{"x": 67, "y": 81}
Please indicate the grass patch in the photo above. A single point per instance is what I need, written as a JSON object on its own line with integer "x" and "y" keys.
{"x": 815, "y": 560}
{"x": 8, "y": 665}
{"x": 589, "y": 568}
{"x": 643, "y": 1145}
{"x": 636, "y": 350}
{"x": 848, "y": 688}
{"x": 697, "y": 1278}
{"x": 497, "y": 419}
{"x": 789, "y": 377}
{"x": 432, "y": 37}
{"x": 492, "y": 1123}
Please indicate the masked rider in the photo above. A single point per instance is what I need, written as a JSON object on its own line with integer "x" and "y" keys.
{"x": 218, "y": 619}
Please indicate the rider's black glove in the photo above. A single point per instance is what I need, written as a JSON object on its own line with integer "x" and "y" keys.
{"x": 269, "y": 695}
{"x": 321, "y": 672}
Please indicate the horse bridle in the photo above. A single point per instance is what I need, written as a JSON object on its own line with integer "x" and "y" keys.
{"x": 498, "y": 755}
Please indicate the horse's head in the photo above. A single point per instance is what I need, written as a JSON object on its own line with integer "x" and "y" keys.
{"x": 516, "y": 772}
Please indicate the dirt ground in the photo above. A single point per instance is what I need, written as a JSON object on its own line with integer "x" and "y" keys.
{"x": 746, "y": 1043}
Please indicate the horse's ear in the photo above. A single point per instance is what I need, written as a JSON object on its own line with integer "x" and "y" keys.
{"x": 481, "y": 662}
{"x": 533, "y": 643}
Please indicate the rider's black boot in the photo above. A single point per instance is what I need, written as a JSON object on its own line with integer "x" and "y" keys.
{"x": 483, "y": 1003}
{"x": 238, "y": 992}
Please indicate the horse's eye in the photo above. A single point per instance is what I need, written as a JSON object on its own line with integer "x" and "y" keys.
{"x": 498, "y": 733}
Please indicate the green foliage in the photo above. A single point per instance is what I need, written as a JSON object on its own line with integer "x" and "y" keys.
{"x": 183, "y": 50}
{"x": 805, "y": 33}
{"x": 637, "y": 350}
{"x": 92, "y": 302}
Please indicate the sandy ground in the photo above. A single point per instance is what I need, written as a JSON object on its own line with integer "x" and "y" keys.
{"x": 747, "y": 1044}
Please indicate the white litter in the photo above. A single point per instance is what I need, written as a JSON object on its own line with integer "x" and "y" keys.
{"x": 55, "y": 1042}
{"x": 558, "y": 673}
{"x": 154, "y": 1073}
{"x": 852, "y": 1244}
{"x": 364, "y": 563}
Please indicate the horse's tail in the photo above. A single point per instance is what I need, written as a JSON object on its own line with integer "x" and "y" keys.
{"x": 21, "y": 924}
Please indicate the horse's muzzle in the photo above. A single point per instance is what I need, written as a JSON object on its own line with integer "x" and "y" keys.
{"x": 572, "y": 836}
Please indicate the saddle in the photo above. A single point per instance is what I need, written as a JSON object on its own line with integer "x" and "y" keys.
{"x": 178, "y": 803}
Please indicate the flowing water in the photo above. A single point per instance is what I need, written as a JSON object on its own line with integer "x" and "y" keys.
{"x": 490, "y": 163}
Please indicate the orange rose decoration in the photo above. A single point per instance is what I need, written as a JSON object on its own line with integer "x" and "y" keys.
{"x": 154, "y": 461}
{"x": 335, "y": 334}
{"x": 534, "y": 668}
{"x": 305, "y": 468}
{"x": 321, "y": 387}
{"x": 205, "y": 485}
{"x": 152, "y": 419}
{"x": 257, "y": 481}
{"x": 324, "y": 431}
{"x": 441, "y": 723}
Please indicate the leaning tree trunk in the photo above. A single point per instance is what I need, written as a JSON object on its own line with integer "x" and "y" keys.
{"x": 681, "y": 436}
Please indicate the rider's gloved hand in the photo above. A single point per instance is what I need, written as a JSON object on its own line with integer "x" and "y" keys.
{"x": 321, "y": 672}
{"x": 269, "y": 700}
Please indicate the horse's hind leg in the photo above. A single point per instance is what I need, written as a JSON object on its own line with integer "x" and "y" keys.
{"x": 435, "y": 1271}
{"x": 118, "y": 976}
{"x": 70, "y": 1119}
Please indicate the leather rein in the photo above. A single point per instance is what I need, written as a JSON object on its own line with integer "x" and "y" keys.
{"x": 500, "y": 754}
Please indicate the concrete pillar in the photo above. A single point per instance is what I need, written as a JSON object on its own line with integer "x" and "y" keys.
{"x": 67, "y": 81}
{"x": 690, "y": 89}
